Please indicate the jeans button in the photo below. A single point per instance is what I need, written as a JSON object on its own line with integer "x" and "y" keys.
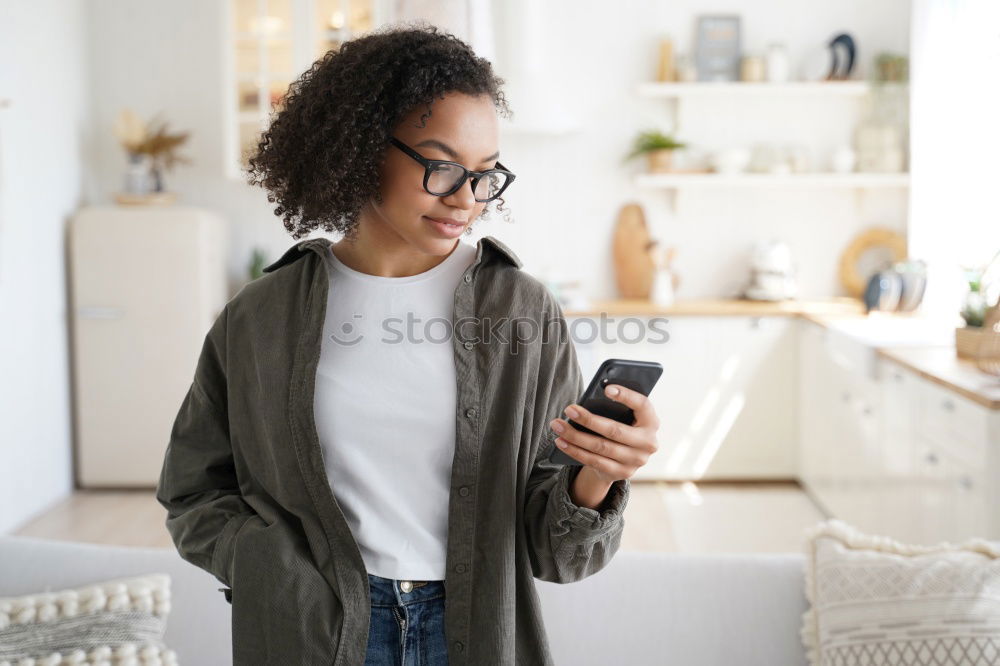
{"x": 406, "y": 586}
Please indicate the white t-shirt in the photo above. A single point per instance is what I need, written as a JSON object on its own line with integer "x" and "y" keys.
{"x": 385, "y": 404}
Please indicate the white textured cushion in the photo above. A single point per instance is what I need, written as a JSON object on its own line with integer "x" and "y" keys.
{"x": 120, "y": 621}
{"x": 877, "y": 601}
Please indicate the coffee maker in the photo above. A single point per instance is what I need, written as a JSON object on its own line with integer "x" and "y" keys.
{"x": 772, "y": 274}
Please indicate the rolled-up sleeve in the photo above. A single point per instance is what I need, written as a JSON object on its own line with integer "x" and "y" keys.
{"x": 198, "y": 485}
{"x": 566, "y": 542}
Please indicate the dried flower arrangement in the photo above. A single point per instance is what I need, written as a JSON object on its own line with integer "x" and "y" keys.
{"x": 143, "y": 139}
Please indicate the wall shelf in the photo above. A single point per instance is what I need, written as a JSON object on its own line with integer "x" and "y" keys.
{"x": 740, "y": 88}
{"x": 703, "y": 180}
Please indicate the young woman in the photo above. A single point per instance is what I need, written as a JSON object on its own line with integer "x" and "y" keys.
{"x": 362, "y": 457}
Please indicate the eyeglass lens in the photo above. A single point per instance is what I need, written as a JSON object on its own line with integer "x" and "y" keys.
{"x": 445, "y": 177}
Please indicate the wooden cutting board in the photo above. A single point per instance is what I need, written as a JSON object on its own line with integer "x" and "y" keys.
{"x": 634, "y": 267}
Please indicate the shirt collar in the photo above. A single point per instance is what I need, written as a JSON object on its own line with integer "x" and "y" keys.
{"x": 487, "y": 244}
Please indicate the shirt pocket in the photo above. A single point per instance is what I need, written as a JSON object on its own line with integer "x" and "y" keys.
{"x": 281, "y": 603}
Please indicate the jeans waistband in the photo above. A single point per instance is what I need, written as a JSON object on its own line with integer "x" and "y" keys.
{"x": 390, "y": 592}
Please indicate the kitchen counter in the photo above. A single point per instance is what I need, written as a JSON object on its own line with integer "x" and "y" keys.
{"x": 922, "y": 346}
{"x": 941, "y": 366}
{"x": 732, "y": 307}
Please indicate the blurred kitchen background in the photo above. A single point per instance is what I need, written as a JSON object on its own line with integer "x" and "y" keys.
{"x": 805, "y": 192}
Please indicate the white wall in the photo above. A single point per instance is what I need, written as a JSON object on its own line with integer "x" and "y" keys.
{"x": 43, "y": 73}
{"x": 956, "y": 133}
{"x": 167, "y": 57}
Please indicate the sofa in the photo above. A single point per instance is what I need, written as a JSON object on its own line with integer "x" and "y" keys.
{"x": 643, "y": 608}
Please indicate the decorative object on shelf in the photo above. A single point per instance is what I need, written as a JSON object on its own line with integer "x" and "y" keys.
{"x": 752, "y": 69}
{"x": 150, "y": 148}
{"x": 717, "y": 50}
{"x": 778, "y": 65}
{"x": 843, "y": 160}
{"x": 899, "y": 288}
{"x": 879, "y": 148}
{"x": 891, "y": 68}
{"x": 685, "y": 70}
{"x": 772, "y": 272}
{"x": 658, "y": 148}
{"x": 778, "y": 159}
{"x": 665, "y": 65}
{"x": 666, "y": 279}
{"x": 975, "y": 306}
{"x": 634, "y": 267}
{"x": 137, "y": 176}
{"x": 883, "y": 291}
{"x": 870, "y": 251}
{"x": 832, "y": 61}
{"x": 880, "y": 137}
{"x": 914, "y": 283}
{"x": 842, "y": 52}
{"x": 730, "y": 161}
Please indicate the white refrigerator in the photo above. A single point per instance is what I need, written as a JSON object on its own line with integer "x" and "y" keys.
{"x": 146, "y": 284}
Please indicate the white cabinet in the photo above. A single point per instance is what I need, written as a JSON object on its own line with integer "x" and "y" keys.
{"x": 146, "y": 283}
{"x": 726, "y": 401}
{"x": 753, "y": 362}
{"x": 841, "y": 450}
{"x": 957, "y": 464}
{"x": 891, "y": 452}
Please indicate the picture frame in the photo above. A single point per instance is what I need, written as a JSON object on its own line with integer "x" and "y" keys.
{"x": 718, "y": 46}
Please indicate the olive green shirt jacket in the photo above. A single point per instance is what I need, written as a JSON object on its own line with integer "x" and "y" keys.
{"x": 248, "y": 499}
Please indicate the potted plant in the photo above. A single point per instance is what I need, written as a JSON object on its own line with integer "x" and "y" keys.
{"x": 969, "y": 337}
{"x": 658, "y": 148}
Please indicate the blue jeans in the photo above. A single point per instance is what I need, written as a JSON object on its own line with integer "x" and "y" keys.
{"x": 407, "y": 628}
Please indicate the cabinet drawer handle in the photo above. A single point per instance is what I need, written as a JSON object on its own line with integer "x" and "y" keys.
{"x": 100, "y": 313}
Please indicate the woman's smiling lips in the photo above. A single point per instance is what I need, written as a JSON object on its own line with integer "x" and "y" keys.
{"x": 446, "y": 226}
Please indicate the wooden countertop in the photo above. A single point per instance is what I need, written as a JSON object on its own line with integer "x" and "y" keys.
{"x": 937, "y": 364}
{"x": 715, "y": 308}
{"x": 941, "y": 366}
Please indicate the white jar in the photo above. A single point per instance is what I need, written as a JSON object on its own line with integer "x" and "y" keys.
{"x": 778, "y": 65}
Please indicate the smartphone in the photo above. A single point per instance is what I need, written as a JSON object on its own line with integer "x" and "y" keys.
{"x": 639, "y": 376}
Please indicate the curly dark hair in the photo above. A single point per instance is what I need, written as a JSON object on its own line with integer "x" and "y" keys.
{"x": 319, "y": 157}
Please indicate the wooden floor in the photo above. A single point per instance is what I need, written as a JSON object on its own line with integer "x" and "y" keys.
{"x": 660, "y": 516}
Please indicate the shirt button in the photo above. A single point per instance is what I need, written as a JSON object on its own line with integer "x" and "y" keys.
{"x": 470, "y": 412}
{"x": 459, "y": 646}
{"x": 463, "y": 491}
{"x": 468, "y": 278}
{"x": 460, "y": 568}
{"x": 469, "y": 344}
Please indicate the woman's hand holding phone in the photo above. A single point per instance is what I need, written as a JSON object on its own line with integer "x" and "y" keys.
{"x": 618, "y": 450}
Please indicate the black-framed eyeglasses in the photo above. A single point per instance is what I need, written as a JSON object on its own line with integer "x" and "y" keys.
{"x": 442, "y": 177}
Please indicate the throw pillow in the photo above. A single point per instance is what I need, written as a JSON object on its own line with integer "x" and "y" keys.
{"x": 874, "y": 600}
{"x": 116, "y": 622}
